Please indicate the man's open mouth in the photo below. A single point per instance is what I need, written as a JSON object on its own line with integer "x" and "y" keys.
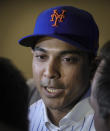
{"x": 51, "y": 90}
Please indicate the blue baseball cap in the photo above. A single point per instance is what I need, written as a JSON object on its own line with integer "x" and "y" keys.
{"x": 72, "y": 25}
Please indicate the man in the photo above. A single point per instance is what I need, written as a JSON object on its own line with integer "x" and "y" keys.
{"x": 100, "y": 95}
{"x": 64, "y": 44}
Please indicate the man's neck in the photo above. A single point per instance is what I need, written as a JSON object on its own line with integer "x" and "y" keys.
{"x": 56, "y": 115}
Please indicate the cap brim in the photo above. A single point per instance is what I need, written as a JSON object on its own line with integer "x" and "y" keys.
{"x": 31, "y": 40}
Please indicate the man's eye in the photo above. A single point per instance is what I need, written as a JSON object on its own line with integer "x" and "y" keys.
{"x": 71, "y": 60}
{"x": 41, "y": 57}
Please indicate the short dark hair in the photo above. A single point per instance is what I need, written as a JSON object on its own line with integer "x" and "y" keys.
{"x": 13, "y": 96}
{"x": 103, "y": 83}
{"x": 103, "y": 89}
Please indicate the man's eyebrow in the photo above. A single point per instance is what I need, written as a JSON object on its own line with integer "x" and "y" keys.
{"x": 39, "y": 49}
{"x": 64, "y": 52}
{"x": 77, "y": 52}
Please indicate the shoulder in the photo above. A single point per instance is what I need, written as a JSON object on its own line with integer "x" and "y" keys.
{"x": 36, "y": 116}
{"x": 84, "y": 119}
{"x": 35, "y": 108}
{"x": 36, "y": 105}
{"x": 84, "y": 106}
{"x": 88, "y": 117}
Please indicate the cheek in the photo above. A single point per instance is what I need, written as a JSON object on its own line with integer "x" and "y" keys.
{"x": 72, "y": 81}
{"x": 37, "y": 72}
{"x": 72, "y": 76}
{"x": 71, "y": 71}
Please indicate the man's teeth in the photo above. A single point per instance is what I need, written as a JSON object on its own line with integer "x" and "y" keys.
{"x": 51, "y": 90}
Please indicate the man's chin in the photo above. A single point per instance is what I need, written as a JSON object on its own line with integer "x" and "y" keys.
{"x": 52, "y": 104}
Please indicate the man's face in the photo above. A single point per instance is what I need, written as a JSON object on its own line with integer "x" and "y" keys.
{"x": 99, "y": 122}
{"x": 60, "y": 72}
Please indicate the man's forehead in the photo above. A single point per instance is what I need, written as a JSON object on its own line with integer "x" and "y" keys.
{"x": 51, "y": 43}
{"x": 43, "y": 38}
{"x": 59, "y": 52}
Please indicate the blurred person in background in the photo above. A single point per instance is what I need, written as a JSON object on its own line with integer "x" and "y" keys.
{"x": 13, "y": 98}
{"x": 100, "y": 95}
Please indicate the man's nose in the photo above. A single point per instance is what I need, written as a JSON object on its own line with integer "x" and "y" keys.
{"x": 52, "y": 70}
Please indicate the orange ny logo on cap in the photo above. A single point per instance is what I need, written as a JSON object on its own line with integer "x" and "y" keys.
{"x": 57, "y": 17}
